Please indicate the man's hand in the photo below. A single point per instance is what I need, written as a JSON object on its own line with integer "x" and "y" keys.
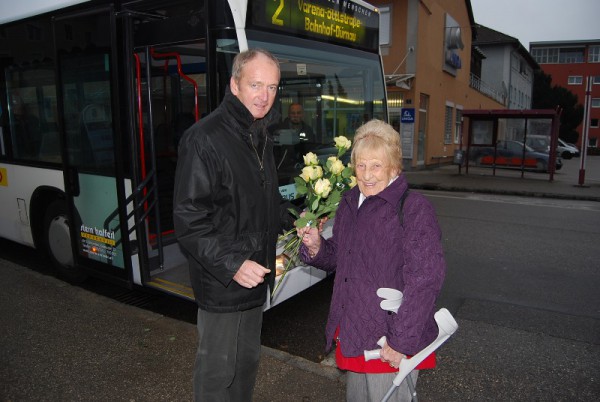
{"x": 250, "y": 274}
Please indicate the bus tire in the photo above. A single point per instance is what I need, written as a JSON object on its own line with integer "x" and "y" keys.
{"x": 57, "y": 239}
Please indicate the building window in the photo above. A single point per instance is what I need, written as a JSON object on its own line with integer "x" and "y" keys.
{"x": 569, "y": 55}
{"x": 595, "y": 102}
{"x": 575, "y": 80}
{"x": 593, "y": 142}
{"x": 594, "y": 123}
{"x": 596, "y": 80}
{"x": 523, "y": 68}
{"x": 395, "y": 99}
{"x": 385, "y": 26}
{"x": 458, "y": 126}
{"x": 545, "y": 55}
{"x": 448, "y": 126}
{"x": 514, "y": 62}
{"x": 594, "y": 54}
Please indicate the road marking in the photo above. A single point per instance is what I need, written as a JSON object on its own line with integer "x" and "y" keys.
{"x": 522, "y": 200}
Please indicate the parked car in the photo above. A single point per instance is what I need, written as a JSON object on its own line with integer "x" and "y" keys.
{"x": 509, "y": 154}
{"x": 567, "y": 151}
{"x": 541, "y": 143}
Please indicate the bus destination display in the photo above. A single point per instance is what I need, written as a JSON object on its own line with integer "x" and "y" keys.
{"x": 338, "y": 21}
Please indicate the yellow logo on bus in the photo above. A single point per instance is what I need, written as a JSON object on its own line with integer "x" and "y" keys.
{"x": 3, "y": 177}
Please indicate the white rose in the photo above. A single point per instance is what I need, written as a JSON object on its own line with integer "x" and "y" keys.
{"x": 306, "y": 171}
{"x": 310, "y": 159}
{"x": 311, "y": 173}
{"x": 322, "y": 188}
{"x": 317, "y": 172}
{"x": 342, "y": 142}
{"x": 337, "y": 166}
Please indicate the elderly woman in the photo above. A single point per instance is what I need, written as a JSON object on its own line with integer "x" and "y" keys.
{"x": 379, "y": 243}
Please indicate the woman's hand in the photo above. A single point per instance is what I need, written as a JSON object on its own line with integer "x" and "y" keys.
{"x": 311, "y": 237}
{"x": 390, "y": 356}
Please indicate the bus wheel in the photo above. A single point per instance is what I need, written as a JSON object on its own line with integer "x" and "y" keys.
{"x": 58, "y": 242}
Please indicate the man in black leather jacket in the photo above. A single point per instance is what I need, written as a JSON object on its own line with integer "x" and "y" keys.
{"x": 227, "y": 218}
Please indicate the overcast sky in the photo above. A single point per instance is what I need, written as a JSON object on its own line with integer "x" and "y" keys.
{"x": 540, "y": 20}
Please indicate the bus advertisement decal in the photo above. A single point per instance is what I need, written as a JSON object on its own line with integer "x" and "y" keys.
{"x": 99, "y": 237}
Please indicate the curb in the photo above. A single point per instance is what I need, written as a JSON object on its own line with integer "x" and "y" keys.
{"x": 434, "y": 187}
{"x": 329, "y": 372}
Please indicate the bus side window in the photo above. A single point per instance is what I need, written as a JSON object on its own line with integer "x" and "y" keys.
{"x": 98, "y": 135}
{"x": 25, "y": 129}
{"x": 50, "y": 147}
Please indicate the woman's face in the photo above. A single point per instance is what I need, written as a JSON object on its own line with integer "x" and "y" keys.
{"x": 373, "y": 172}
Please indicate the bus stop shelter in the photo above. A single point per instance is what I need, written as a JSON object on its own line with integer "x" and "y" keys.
{"x": 523, "y": 140}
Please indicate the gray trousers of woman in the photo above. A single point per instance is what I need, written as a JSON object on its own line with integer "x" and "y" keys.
{"x": 361, "y": 387}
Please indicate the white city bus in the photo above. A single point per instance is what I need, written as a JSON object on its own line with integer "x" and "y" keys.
{"x": 94, "y": 96}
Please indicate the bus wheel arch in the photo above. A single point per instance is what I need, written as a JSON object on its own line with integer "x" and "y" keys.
{"x": 54, "y": 238}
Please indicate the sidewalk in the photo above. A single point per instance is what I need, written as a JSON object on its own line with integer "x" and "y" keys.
{"x": 63, "y": 343}
{"x": 565, "y": 183}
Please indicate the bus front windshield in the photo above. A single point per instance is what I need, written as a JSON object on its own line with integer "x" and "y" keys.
{"x": 323, "y": 93}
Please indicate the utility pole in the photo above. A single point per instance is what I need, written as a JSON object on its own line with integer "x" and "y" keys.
{"x": 586, "y": 128}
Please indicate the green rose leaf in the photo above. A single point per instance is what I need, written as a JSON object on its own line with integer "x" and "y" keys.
{"x": 294, "y": 213}
{"x": 301, "y": 190}
{"x": 315, "y": 204}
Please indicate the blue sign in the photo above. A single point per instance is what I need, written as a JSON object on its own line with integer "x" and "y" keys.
{"x": 408, "y": 115}
{"x": 288, "y": 192}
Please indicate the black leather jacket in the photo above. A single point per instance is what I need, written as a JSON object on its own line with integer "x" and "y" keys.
{"x": 226, "y": 210}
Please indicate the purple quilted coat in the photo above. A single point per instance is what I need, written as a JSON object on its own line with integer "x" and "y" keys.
{"x": 370, "y": 249}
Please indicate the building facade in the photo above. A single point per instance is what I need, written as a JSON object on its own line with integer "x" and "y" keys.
{"x": 426, "y": 50}
{"x": 571, "y": 64}
{"x": 508, "y": 67}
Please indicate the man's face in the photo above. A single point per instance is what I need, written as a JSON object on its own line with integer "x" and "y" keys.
{"x": 296, "y": 114}
{"x": 257, "y": 86}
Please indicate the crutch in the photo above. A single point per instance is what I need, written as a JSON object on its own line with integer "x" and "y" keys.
{"x": 447, "y": 326}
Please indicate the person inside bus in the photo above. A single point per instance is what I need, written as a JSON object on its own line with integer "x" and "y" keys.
{"x": 295, "y": 122}
{"x": 294, "y": 139}
{"x": 380, "y": 240}
{"x": 227, "y": 215}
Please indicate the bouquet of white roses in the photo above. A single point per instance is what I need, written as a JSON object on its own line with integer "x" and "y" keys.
{"x": 322, "y": 187}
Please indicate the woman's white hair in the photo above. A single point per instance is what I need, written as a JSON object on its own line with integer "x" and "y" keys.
{"x": 378, "y": 135}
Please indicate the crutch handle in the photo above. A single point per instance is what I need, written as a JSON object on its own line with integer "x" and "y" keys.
{"x": 375, "y": 353}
